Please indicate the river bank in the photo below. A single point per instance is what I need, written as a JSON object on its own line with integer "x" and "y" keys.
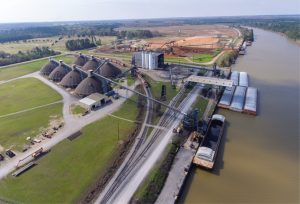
{"x": 258, "y": 157}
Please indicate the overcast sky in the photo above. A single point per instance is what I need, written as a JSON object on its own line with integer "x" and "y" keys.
{"x": 69, "y": 10}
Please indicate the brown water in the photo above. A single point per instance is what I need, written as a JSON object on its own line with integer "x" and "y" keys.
{"x": 258, "y": 161}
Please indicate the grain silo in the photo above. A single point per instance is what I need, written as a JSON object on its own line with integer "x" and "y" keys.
{"x": 59, "y": 72}
{"x": 80, "y": 60}
{"x": 92, "y": 64}
{"x": 73, "y": 78}
{"x": 88, "y": 86}
{"x": 49, "y": 67}
{"x": 109, "y": 70}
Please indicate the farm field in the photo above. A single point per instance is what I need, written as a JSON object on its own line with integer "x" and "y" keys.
{"x": 30, "y": 67}
{"x": 28, "y": 93}
{"x": 72, "y": 167}
{"x": 56, "y": 43}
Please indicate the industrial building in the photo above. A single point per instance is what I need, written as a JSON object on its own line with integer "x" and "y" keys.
{"x": 91, "y": 64}
{"x": 49, "y": 67}
{"x": 85, "y": 80}
{"x": 59, "y": 72}
{"x": 148, "y": 60}
{"x": 80, "y": 60}
{"x": 73, "y": 78}
{"x": 93, "y": 101}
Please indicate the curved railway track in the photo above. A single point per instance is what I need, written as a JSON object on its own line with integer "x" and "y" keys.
{"x": 142, "y": 149}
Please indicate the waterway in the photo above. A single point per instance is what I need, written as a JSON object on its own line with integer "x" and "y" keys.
{"x": 258, "y": 160}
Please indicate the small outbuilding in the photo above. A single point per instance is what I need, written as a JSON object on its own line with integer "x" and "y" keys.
{"x": 94, "y": 101}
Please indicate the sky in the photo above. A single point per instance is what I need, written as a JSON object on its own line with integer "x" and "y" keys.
{"x": 70, "y": 10}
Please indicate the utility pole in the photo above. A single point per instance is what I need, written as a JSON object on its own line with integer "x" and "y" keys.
{"x": 118, "y": 130}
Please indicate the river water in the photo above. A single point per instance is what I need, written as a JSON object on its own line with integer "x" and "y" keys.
{"x": 258, "y": 161}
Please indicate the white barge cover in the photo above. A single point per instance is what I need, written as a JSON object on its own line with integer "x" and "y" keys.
{"x": 227, "y": 96}
{"x": 237, "y": 103}
{"x": 243, "y": 81}
{"x": 235, "y": 78}
{"x": 251, "y": 100}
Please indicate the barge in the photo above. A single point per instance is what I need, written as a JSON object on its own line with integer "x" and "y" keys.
{"x": 207, "y": 152}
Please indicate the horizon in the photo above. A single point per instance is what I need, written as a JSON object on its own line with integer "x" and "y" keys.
{"x": 33, "y": 11}
{"x": 158, "y": 18}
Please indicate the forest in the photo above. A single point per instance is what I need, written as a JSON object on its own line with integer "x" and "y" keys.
{"x": 35, "y": 53}
{"x": 79, "y": 44}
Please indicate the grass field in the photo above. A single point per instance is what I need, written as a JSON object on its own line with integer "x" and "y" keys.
{"x": 201, "y": 104}
{"x": 67, "y": 172}
{"x": 55, "y": 43}
{"x": 77, "y": 110}
{"x": 27, "y": 68}
{"x": 20, "y": 95}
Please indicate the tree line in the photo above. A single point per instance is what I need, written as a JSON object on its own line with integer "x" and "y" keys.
{"x": 35, "y": 53}
{"x": 79, "y": 44}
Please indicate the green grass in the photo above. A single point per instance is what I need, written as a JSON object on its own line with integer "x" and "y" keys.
{"x": 130, "y": 80}
{"x": 201, "y": 104}
{"x": 20, "y": 95}
{"x": 202, "y": 58}
{"x": 27, "y": 68}
{"x": 150, "y": 188}
{"x": 15, "y": 129}
{"x": 178, "y": 60}
{"x": 71, "y": 168}
{"x": 77, "y": 110}
{"x": 25, "y": 93}
{"x": 53, "y": 42}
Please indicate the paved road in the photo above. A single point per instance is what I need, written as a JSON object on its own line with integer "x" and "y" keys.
{"x": 72, "y": 124}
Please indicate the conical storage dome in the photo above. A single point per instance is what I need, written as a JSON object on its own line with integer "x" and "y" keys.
{"x": 59, "y": 72}
{"x": 72, "y": 79}
{"x": 109, "y": 70}
{"x": 80, "y": 60}
{"x": 88, "y": 86}
{"x": 49, "y": 67}
{"x": 91, "y": 64}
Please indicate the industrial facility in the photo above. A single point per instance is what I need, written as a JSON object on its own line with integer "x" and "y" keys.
{"x": 148, "y": 60}
{"x": 84, "y": 76}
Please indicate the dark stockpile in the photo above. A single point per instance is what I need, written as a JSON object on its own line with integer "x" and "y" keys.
{"x": 88, "y": 86}
{"x": 59, "y": 72}
{"x": 72, "y": 79}
{"x": 109, "y": 70}
{"x": 49, "y": 67}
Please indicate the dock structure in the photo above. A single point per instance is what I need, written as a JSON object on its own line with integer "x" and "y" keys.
{"x": 178, "y": 173}
{"x": 251, "y": 101}
{"x": 226, "y": 98}
{"x": 238, "y": 100}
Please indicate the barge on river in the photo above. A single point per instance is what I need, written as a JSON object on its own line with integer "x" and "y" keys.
{"x": 207, "y": 152}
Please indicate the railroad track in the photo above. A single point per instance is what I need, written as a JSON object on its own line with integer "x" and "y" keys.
{"x": 167, "y": 119}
